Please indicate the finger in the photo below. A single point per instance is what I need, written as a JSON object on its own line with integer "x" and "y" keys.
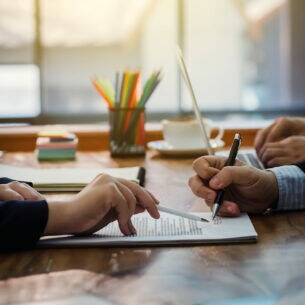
{"x": 132, "y": 228}
{"x": 129, "y": 197}
{"x": 205, "y": 167}
{"x": 143, "y": 198}
{"x": 279, "y": 161}
{"x": 240, "y": 175}
{"x": 9, "y": 194}
{"x": 208, "y": 166}
{"x": 200, "y": 189}
{"x": 139, "y": 209}
{"x": 153, "y": 196}
{"x": 36, "y": 194}
{"x": 260, "y": 138}
{"x": 27, "y": 192}
{"x": 267, "y": 146}
{"x": 229, "y": 209}
{"x": 123, "y": 212}
{"x": 124, "y": 227}
{"x": 271, "y": 153}
{"x": 276, "y": 133}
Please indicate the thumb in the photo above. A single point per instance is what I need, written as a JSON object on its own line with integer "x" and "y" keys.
{"x": 241, "y": 175}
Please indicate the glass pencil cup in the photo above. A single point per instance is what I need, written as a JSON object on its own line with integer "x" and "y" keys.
{"x": 127, "y": 133}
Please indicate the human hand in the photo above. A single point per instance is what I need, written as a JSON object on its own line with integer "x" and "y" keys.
{"x": 288, "y": 151}
{"x": 18, "y": 191}
{"x": 248, "y": 189}
{"x": 102, "y": 201}
{"x": 282, "y": 128}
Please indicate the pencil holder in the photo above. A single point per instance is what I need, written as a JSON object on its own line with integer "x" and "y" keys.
{"x": 127, "y": 133}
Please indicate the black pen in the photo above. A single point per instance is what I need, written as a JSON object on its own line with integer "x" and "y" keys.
{"x": 230, "y": 161}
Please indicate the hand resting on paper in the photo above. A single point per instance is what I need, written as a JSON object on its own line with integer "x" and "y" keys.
{"x": 104, "y": 200}
{"x": 281, "y": 143}
{"x": 18, "y": 191}
{"x": 248, "y": 189}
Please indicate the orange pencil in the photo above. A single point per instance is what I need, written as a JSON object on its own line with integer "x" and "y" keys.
{"x": 140, "y": 133}
{"x": 102, "y": 93}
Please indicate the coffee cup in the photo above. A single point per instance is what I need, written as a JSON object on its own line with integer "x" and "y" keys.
{"x": 185, "y": 133}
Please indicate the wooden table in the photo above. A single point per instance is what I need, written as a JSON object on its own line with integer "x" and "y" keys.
{"x": 274, "y": 266}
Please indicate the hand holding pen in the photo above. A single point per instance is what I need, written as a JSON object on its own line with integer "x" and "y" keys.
{"x": 247, "y": 189}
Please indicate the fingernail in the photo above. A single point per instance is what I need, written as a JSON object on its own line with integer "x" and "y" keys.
{"x": 216, "y": 182}
{"x": 230, "y": 210}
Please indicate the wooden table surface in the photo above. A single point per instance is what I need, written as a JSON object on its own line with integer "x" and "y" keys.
{"x": 272, "y": 267}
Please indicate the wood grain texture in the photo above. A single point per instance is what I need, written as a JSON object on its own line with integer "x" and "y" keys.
{"x": 274, "y": 266}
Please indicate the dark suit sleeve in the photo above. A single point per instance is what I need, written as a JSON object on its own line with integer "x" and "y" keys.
{"x": 5, "y": 180}
{"x": 21, "y": 222}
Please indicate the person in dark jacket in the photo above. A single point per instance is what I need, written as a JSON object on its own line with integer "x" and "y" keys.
{"x": 25, "y": 215}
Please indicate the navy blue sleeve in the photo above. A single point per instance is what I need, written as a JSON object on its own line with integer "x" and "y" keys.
{"x": 5, "y": 180}
{"x": 22, "y": 223}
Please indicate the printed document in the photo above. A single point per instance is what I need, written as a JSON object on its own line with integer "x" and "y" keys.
{"x": 167, "y": 230}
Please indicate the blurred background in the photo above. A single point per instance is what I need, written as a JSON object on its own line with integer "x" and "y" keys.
{"x": 245, "y": 57}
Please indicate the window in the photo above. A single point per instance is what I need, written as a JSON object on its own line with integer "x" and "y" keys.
{"x": 242, "y": 55}
{"x": 19, "y": 75}
{"x": 239, "y": 53}
{"x": 19, "y": 91}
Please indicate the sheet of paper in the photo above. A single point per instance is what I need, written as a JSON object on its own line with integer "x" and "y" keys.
{"x": 169, "y": 229}
{"x": 170, "y": 226}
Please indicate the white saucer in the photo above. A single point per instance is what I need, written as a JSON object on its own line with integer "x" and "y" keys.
{"x": 166, "y": 149}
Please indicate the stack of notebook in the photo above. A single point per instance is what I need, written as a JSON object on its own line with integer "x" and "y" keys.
{"x": 67, "y": 179}
{"x": 57, "y": 145}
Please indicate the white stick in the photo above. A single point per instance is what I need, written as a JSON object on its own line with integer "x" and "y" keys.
{"x": 183, "y": 69}
{"x": 180, "y": 213}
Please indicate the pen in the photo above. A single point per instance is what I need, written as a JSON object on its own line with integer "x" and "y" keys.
{"x": 180, "y": 213}
{"x": 230, "y": 161}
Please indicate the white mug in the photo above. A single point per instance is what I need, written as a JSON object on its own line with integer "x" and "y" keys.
{"x": 185, "y": 133}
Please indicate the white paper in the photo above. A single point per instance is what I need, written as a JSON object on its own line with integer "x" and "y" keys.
{"x": 169, "y": 229}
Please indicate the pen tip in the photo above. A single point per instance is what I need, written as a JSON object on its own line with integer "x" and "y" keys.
{"x": 204, "y": 220}
{"x": 215, "y": 210}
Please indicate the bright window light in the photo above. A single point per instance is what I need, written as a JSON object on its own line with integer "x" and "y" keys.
{"x": 19, "y": 91}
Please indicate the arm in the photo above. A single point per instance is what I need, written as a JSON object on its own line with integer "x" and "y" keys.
{"x": 248, "y": 189}
{"x": 23, "y": 215}
{"x": 21, "y": 223}
{"x": 291, "y": 185}
{"x": 104, "y": 200}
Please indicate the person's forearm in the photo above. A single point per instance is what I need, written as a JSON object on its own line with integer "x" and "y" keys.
{"x": 59, "y": 220}
{"x": 291, "y": 184}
